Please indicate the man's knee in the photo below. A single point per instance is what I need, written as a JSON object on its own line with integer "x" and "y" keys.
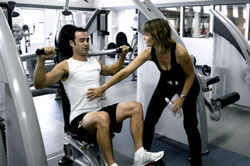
{"x": 137, "y": 108}
{"x": 131, "y": 107}
{"x": 102, "y": 120}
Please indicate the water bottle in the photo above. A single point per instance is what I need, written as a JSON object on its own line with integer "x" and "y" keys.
{"x": 170, "y": 105}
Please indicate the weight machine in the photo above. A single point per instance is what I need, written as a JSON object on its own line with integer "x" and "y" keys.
{"x": 232, "y": 63}
{"x": 20, "y": 134}
{"x": 146, "y": 85}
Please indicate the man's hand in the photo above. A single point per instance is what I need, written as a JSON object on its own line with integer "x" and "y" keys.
{"x": 125, "y": 50}
{"x": 95, "y": 92}
{"x": 49, "y": 52}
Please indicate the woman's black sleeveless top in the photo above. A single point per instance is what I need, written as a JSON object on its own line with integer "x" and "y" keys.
{"x": 175, "y": 76}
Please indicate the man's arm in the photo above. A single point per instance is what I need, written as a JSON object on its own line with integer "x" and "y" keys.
{"x": 42, "y": 79}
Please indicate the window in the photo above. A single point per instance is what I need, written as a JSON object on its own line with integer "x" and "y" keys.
{"x": 236, "y": 13}
{"x": 173, "y": 16}
{"x": 34, "y": 19}
{"x": 196, "y": 21}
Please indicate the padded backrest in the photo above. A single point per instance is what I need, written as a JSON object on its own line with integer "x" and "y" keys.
{"x": 64, "y": 51}
{"x": 65, "y": 108}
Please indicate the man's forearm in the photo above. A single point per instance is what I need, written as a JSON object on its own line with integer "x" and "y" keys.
{"x": 118, "y": 65}
{"x": 39, "y": 73}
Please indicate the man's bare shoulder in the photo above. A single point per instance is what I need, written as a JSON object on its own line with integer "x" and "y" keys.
{"x": 62, "y": 67}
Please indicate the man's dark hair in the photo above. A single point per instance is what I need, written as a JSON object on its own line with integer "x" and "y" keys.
{"x": 63, "y": 36}
{"x": 77, "y": 29}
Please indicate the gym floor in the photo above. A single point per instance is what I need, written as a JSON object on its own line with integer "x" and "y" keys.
{"x": 231, "y": 132}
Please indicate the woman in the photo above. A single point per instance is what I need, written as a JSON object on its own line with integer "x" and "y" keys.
{"x": 177, "y": 77}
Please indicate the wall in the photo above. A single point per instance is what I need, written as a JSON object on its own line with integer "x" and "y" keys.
{"x": 201, "y": 48}
{"x": 121, "y": 21}
{"x": 50, "y": 27}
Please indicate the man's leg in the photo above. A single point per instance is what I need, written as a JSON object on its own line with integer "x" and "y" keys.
{"x": 132, "y": 110}
{"x": 98, "y": 123}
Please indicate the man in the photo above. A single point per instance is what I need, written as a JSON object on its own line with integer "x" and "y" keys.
{"x": 78, "y": 74}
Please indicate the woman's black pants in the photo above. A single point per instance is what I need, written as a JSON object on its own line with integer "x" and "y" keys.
{"x": 190, "y": 122}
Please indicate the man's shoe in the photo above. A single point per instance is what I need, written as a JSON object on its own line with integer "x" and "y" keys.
{"x": 148, "y": 157}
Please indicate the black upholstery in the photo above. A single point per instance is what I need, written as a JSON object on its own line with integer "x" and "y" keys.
{"x": 64, "y": 51}
{"x": 121, "y": 39}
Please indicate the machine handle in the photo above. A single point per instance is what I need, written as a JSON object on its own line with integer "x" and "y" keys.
{"x": 213, "y": 80}
{"x": 40, "y": 51}
{"x": 119, "y": 50}
{"x": 104, "y": 52}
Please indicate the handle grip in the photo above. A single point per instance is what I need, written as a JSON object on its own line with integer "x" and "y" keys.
{"x": 40, "y": 51}
{"x": 119, "y": 50}
{"x": 213, "y": 80}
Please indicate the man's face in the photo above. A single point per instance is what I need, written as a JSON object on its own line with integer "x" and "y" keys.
{"x": 81, "y": 45}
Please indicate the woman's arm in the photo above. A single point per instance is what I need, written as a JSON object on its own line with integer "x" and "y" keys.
{"x": 184, "y": 59}
{"x": 122, "y": 74}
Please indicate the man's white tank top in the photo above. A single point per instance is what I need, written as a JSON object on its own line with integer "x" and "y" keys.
{"x": 82, "y": 76}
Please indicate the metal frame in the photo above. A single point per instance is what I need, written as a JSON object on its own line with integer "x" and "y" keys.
{"x": 241, "y": 43}
{"x": 151, "y": 12}
{"x": 22, "y": 127}
{"x": 82, "y": 153}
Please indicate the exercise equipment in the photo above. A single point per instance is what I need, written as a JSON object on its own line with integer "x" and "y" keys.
{"x": 24, "y": 144}
{"x": 134, "y": 52}
{"x": 121, "y": 39}
{"x": 111, "y": 46}
{"x": 215, "y": 105}
{"x": 19, "y": 29}
{"x": 231, "y": 59}
{"x": 65, "y": 17}
{"x": 148, "y": 76}
{"x": 206, "y": 70}
{"x": 76, "y": 150}
{"x": 97, "y": 53}
{"x": 20, "y": 131}
{"x": 8, "y": 9}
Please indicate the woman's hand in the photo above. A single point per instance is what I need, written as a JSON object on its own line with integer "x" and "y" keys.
{"x": 95, "y": 92}
{"x": 178, "y": 104}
